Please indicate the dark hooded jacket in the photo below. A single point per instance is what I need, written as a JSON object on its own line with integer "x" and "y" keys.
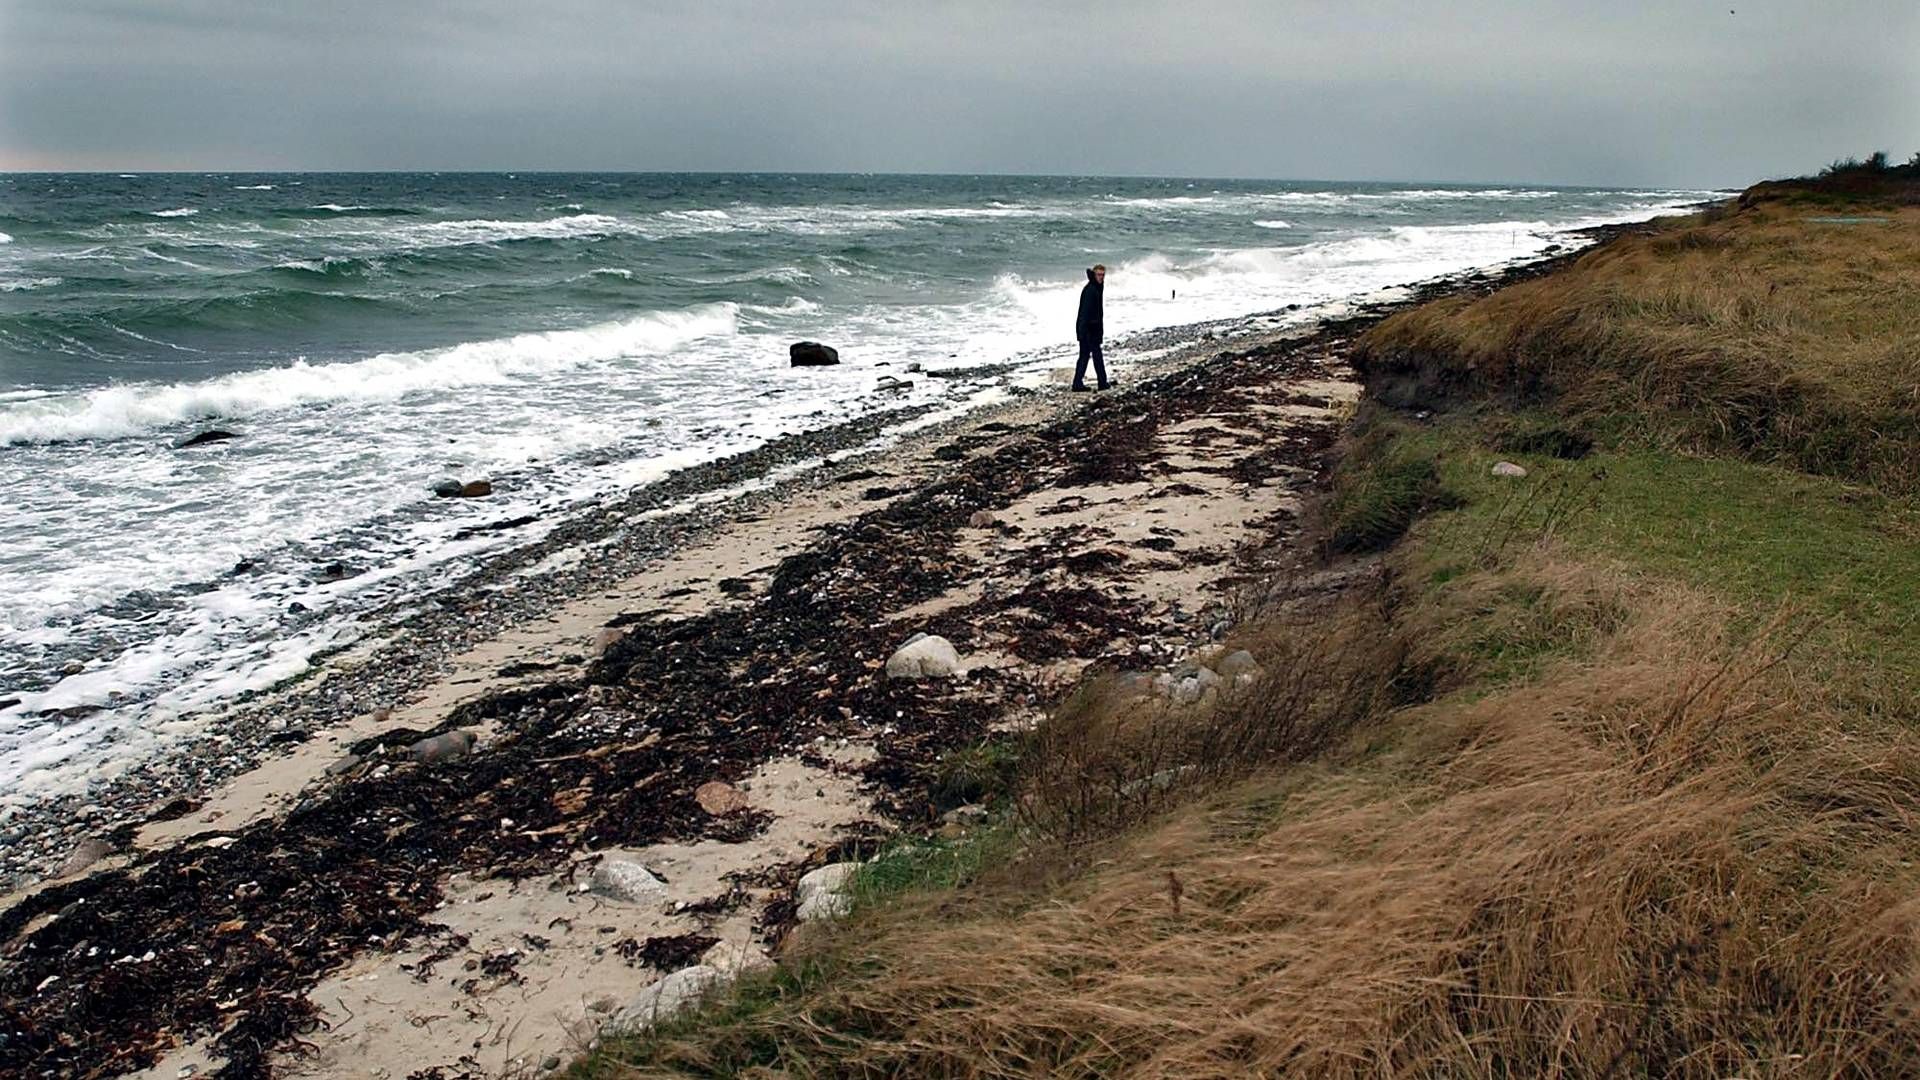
{"x": 1089, "y": 326}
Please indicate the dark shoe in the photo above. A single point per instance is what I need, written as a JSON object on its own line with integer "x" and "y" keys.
{"x": 1103, "y": 386}
{"x": 1078, "y": 389}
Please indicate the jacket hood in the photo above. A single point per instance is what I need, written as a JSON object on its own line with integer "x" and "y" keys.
{"x": 1091, "y": 278}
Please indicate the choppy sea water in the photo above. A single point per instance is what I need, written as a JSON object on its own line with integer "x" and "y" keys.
{"x": 367, "y": 335}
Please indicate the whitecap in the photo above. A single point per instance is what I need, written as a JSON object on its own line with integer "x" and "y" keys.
{"x": 178, "y": 211}
{"x": 5, "y": 239}
{"x": 25, "y": 284}
{"x": 1274, "y": 223}
{"x": 132, "y": 409}
{"x": 253, "y": 187}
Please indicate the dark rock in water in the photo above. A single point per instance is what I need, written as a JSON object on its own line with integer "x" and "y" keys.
{"x": 244, "y": 566}
{"x": 212, "y": 435}
{"x": 475, "y": 489}
{"x": 447, "y": 489}
{"x": 297, "y": 608}
{"x": 337, "y": 571}
{"x": 812, "y": 354}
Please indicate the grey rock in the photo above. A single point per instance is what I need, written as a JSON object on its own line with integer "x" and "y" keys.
{"x": 1237, "y": 663}
{"x": 84, "y": 854}
{"x": 1196, "y": 687}
{"x": 449, "y": 746}
{"x": 72, "y": 667}
{"x": 982, "y": 519}
{"x": 925, "y": 657}
{"x": 1508, "y": 468}
{"x": 667, "y": 997}
{"x": 344, "y": 766}
{"x": 627, "y": 881}
{"x": 447, "y": 488}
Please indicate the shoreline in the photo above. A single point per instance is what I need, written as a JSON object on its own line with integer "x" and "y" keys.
{"x": 415, "y": 637}
{"x": 787, "y": 597}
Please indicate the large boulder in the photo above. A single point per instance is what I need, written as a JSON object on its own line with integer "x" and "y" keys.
{"x": 926, "y": 656}
{"x": 812, "y": 354}
{"x": 667, "y": 997}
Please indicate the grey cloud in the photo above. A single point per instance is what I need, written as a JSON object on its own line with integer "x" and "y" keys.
{"x": 1548, "y": 91}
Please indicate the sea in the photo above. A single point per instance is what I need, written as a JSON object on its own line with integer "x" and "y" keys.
{"x": 367, "y": 335}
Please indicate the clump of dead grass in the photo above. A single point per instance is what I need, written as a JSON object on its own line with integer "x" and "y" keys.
{"x": 1115, "y": 751}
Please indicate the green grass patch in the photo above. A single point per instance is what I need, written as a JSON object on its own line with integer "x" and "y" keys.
{"x": 1762, "y": 538}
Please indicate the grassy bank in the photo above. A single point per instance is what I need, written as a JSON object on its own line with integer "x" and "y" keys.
{"x": 1605, "y": 770}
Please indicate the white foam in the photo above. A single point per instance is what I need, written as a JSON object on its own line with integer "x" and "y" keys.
{"x": 1273, "y": 223}
{"x": 253, "y": 187}
{"x": 119, "y": 411}
{"x": 25, "y": 284}
{"x": 5, "y": 239}
{"x": 180, "y": 211}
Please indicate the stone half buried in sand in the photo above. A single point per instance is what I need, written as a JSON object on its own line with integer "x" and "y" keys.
{"x": 1508, "y": 468}
{"x": 618, "y": 878}
{"x": 812, "y": 354}
{"x": 925, "y": 656}
{"x": 667, "y": 997}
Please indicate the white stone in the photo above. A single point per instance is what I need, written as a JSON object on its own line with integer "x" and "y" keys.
{"x": 623, "y": 879}
{"x": 1196, "y": 686}
{"x": 667, "y": 997}
{"x": 823, "y": 893}
{"x": 1508, "y": 468}
{"x": 925, "y": 657}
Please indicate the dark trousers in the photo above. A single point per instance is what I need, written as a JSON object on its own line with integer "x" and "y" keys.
{"x": 1090, "y": 348}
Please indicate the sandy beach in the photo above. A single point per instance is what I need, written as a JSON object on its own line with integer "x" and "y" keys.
{"x": 691, "y": 684}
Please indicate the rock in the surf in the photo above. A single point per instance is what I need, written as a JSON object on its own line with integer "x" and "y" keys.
{"x": 447, "y": 488}
{"x": 475, "y": 489}
{"x": 812, "y": 354}
{"x": 212, "y": 435}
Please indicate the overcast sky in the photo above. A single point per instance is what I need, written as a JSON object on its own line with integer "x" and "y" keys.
{"x": 1554, "y": 91}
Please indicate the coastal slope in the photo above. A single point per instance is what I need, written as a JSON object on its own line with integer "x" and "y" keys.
{"x": 1582, "y": 746}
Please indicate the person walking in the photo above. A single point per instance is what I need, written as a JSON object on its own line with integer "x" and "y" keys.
{"x": 1089, "y": 329}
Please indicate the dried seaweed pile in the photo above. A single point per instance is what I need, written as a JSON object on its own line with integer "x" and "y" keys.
{"x": 102, "y": 975}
